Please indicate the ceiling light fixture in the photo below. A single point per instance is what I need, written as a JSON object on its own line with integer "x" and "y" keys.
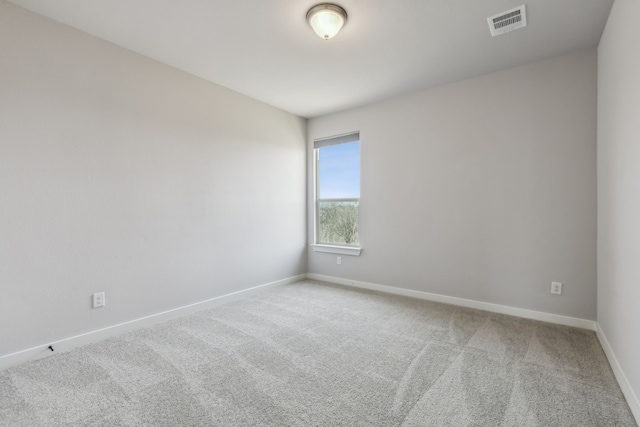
{"x": 326, "y": 19}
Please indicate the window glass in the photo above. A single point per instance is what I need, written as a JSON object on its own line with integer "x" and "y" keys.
{"x": 338, "y": 194}
{"x": 339, "y": 171}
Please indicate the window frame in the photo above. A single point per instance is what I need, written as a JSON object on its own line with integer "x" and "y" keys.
{"x": 341, "y": 249}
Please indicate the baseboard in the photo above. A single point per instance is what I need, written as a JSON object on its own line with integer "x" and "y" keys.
{"x": 495, "y": 308}
{"x": 632, "y": 399}
{"x": 70, "y": 343}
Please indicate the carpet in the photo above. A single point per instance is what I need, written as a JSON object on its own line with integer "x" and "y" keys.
{"x": 312, "y": 354}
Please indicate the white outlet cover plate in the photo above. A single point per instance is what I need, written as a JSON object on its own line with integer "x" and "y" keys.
{"x": 98, "y": 300}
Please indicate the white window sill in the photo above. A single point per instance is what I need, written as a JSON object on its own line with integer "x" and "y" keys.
{"x": 340, "y": 250}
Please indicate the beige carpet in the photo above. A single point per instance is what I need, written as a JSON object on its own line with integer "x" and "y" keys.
{"x": 312, "y": 354}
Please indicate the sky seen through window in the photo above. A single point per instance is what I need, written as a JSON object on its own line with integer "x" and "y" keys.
{"x": 339, "y": 171}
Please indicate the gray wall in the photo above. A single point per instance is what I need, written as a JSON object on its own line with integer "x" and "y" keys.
{"x": 483, "y": 189}
{"x": 120, "y": 174}
{"x": 619, "y": 187}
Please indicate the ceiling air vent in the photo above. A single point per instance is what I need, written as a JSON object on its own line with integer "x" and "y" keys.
{"x": 508, "y": 21}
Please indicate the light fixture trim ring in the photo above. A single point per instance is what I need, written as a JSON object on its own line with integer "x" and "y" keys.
{"x": 325, "y": 6}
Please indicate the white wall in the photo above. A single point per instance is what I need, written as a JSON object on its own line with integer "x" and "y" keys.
{"x": 120, "y": 174}
{"x": 619, "y": 190}
{"x": 483, "y": 189}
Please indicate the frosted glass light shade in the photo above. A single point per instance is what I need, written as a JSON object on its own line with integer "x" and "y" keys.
{"x": 326, "y": 19}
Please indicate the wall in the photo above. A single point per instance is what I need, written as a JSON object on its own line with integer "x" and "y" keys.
{"x": 483, "y": 189}
{"x": 120, "y": 174}
{"x": 619, "y": 192}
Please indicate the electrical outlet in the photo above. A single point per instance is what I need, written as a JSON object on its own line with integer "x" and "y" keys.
{"x": 556, "y": 288}
{"x": 98, "y": 300}
{"x": 339, "y": 260}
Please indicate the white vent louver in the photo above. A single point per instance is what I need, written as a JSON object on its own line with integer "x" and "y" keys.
{"x": 508, "y": 21}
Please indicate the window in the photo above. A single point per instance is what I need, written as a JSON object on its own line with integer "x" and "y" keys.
{"x": 338, "y": 191}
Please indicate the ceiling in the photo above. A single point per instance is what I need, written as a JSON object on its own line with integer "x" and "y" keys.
{"x": 266, "y": 50}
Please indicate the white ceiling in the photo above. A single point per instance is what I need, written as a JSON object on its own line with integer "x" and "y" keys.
{"x": 265, "y": 49}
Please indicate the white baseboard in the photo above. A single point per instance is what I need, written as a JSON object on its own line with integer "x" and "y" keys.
{"x": 632, "y": 399}
{"x": 495, "y": 308}
{"x": 70, "y": 343}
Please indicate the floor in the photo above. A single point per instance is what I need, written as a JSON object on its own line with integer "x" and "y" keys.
{"x": 312, "y": 354}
